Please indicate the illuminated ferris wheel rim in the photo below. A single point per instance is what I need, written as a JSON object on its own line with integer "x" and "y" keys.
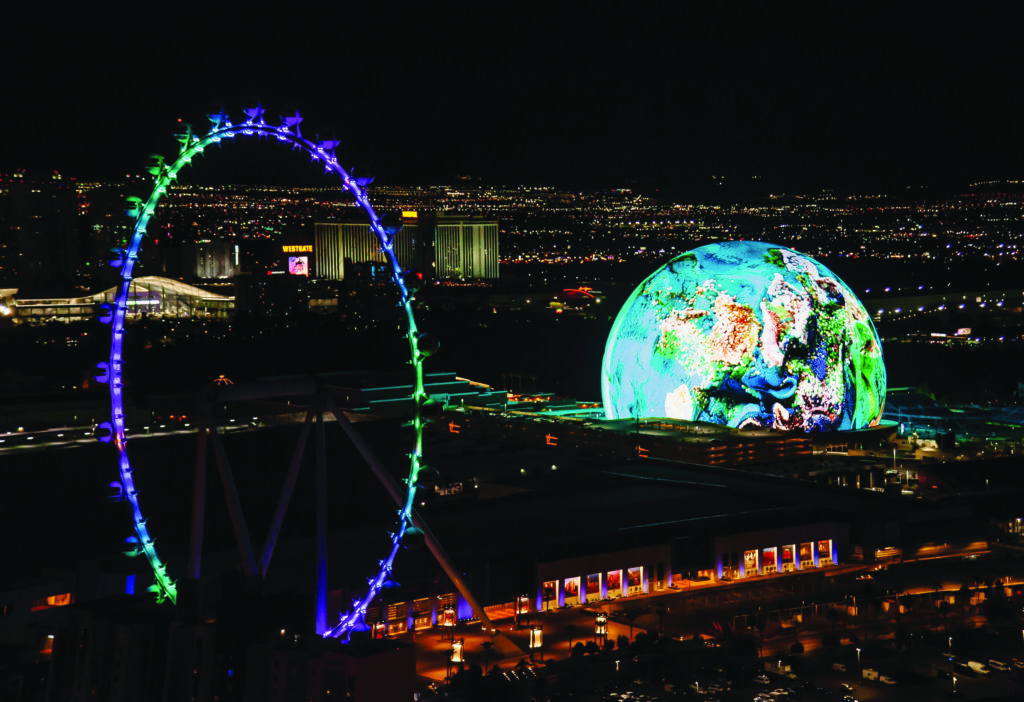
{"x": 111, "y": 371}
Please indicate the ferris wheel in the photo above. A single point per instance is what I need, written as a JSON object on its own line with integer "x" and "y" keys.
{"x": 222, "y": 130}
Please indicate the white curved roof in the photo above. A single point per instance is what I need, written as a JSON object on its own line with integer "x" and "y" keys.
{"x": 154, "y": 283}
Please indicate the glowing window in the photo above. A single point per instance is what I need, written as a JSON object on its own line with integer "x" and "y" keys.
{"x": 60, "y": 600}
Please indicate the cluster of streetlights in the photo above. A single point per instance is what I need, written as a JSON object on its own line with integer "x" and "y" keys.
{"x": 536, "y": 641}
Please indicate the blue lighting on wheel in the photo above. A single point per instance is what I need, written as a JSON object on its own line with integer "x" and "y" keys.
{"x": 192, "y": 145}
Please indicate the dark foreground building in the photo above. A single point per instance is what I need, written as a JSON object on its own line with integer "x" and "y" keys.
{"x": 536, "y": 512}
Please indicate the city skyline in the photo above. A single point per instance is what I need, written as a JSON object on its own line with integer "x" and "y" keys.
{"x": 662, "y": 132}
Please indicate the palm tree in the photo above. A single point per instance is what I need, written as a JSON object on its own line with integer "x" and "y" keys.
{"x": 833, "y": 616}
{"x": 760, "y": 625}
{"x": 660, "y": 610}
{"x": 630, "y": 615}
{"x": 964, "y": 600}
{"x": 487, "y": 655}
{"x": 944, "y": 611}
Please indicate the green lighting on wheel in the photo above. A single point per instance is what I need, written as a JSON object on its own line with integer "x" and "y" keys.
{"x": 190, "y": 146}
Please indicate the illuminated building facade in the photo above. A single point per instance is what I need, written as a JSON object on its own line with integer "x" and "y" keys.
{"x": 214, "y": 259}
{"x": 465, "y": 249}
{"x": 337, "y": 245}
{"x": 772, "y": 551}
{"x": 661, "y": 559}
{"x": 160, "y": 297}
{"x": 606, "y": 576}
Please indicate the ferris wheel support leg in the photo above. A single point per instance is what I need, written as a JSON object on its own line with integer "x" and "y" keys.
{"x": 195, "y": 553}
{"x": 321, "y": 523}
{"x": 286, "y": 495}
{"x": 449, "y": 568}
{"x": 234, "y": 504}
{"x": 432, "y": 543}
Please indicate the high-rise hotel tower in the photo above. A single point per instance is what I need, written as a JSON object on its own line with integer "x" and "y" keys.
{"x": 465, "y": 248}
{"x": 443, "y": 247}
{"x": 340, "y": 244}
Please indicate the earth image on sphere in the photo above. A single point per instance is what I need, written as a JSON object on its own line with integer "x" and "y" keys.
{"x": 746, "y": 334}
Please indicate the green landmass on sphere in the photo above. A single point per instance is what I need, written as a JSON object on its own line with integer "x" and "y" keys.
{"x": 679, "y": 345}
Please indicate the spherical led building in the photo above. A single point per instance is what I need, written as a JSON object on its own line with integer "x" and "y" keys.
{"x": 747, "y": 334}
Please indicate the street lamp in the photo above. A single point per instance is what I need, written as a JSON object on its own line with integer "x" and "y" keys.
{"x": 457, "y": 649}
{"x": 537, "y": 641}
{"x": 858, "y": 660}
{"x": 522, "y": 607}
{"x": 601, "y": 625}
{"x": 448, "y": 621}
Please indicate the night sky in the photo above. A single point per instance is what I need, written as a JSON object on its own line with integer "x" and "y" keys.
{"x": 852, "y": 97}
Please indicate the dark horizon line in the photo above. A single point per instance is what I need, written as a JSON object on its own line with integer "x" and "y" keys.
{"x": 706, "y": 187}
